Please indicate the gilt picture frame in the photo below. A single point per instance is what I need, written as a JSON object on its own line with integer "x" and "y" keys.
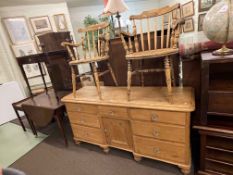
{"x": 17, "y": 28}
{"x": 40, "y": 24}
{"x": 188, "y": 25}
{"x": 187, "y": 9}
{"x": 205, "y": 5}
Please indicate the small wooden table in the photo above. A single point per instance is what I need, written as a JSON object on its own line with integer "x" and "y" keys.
{"x": 148, "y": 125}
{"x": 43, "y": 100}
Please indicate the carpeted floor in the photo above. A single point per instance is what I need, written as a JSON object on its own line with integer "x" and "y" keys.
{"x": 51, "y": 157}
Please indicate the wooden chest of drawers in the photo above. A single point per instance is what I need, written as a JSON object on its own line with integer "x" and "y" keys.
{"x": 148, "y": 126}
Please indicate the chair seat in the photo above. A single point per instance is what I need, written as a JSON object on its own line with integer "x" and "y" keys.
{"x": 89, "y": 60}
{"x": 158, "y": 53}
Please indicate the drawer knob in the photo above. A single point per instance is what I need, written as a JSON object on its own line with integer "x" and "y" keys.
{"x": 156, "y": 150}
{"x": 156, "y": 133}
{"x": 154, "y": 117}
{"x": 111, "y": 113}
{"x": 78, "y": 109}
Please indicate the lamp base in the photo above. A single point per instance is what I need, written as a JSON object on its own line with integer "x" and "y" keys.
{"x": 223, "y": 51}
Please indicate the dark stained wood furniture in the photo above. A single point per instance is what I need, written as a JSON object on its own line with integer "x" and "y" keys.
{"x": 95, "y": 48}
{"x": 136, "y": 50}
{"x": 38, "y": 106}
{"x": 216, "y": 115}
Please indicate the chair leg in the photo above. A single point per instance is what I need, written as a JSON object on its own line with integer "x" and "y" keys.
{"x": 129, "y": 79}
{"x": 142, "y": 75}
{"x": 73, "y": 81}
{"x": 112, "y": 74}
{"x": 96, "y": 77}
{"x": 172, "y": 72}
{"x": 168, "y": 77}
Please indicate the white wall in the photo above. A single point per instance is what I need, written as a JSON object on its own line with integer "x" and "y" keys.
{"x": 9, "y": 70}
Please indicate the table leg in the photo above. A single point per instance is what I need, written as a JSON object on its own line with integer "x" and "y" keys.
{"x": 32, "y": 126}
{"x": 20, "y": 120}
{"x": 58, "y": 117}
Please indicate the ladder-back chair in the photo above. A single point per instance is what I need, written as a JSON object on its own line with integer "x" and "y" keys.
{"x": 95, "y": 47}
{"x": 149, "y": 45}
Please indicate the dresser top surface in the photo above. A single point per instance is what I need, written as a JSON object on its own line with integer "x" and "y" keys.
{"x": 141, "y": 97}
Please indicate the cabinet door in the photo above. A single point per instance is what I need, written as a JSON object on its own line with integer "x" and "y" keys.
{"x": 118, "y": 133}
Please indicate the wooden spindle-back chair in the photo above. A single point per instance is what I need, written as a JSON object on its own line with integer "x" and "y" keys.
{"x": 95, "y": 47}
{"x": 148, "y": 45}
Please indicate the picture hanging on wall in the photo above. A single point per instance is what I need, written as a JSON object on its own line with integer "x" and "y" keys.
{"x": 41, "y": 24}
{"x": 17, "y": 29}
{"x": 188, "y": 25}
{"x": 21, "y": 50}
{"x": 200, "y": 21}
{"x": 37, "y": 41}
{"x": 176, "y": 14}
{"x": 33, "y": 70}
{"x": 187, "y": 9}
{"x": 205, "y": 5}
{"x": 60, "y": 21}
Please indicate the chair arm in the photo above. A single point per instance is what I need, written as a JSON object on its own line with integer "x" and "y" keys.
{"x": 65, "y": 44}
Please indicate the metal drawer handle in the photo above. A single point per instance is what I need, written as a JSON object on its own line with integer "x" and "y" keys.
{"x": 156, "y": 150}
{"x": 154, "y": 117}
{"x": 156, "y": 133}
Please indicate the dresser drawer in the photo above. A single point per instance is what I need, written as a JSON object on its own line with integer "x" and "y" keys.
{"x": 159, "y": 149}
{"x": 92, "y": 109}
{"x": 84, "y": 119}
{"x": 158, "y": 116}
{"x": 110, "y": 111}
{"x": 159, "y": 131}
{"x": 88, "y": 134}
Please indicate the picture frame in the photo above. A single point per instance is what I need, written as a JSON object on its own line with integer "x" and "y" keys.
{"x": 32, "y": 70}
{"x": 17, "y": 28}
{"x": 37, "y": 41}
{"x": 187, "y": 9}
{"x": 188, "y": 25}
{"x": 60, "y": 22}
{"x": 40, "y": 24}
{"x": 176, "y": 14}
{"x": 25, "y": 49}
{"x": 200, "y": 21}
{"x": 205, "y": 5}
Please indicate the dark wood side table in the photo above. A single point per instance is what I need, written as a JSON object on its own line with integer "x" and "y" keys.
{"x": 215, "y": 124}
{"x": 44, "y": 100}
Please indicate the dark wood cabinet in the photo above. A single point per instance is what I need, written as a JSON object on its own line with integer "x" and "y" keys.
{"x": 216, "y": 115}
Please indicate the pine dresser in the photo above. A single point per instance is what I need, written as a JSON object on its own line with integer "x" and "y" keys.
{"x": 148, "y": 125}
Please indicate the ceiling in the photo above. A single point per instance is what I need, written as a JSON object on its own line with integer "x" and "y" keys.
{"x": 71, "y": 3}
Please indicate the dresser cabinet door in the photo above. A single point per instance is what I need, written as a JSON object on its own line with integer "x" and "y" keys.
{"x": 118, "y": 133}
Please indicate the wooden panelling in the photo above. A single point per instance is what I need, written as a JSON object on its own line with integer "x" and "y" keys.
{"x": 109, "y": 111}
{"x": 88, "y": 134}
{"x": 159, "y": 149}
{"x": 84, "y": 119}
{"x": 81, "y": 108}
{"x": 159, "y": 131}
{"x": 158, "y": 116}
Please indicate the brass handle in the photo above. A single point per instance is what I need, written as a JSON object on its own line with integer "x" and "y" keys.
{"x": 154, "y": 117}
{"x": 156, "y": 150}
{"x": 156, "y": 133}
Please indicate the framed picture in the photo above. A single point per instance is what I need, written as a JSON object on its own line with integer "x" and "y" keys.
{"x": 205, "y": 5}
{"x": 176, "y": 14}
{"x": 37, "y": 41}
{"x": 41, "y": 24}
{"x": 17, "y": 29}
{"x": 33, "y": 70}
{"x": 200, "y": 21}
{"x": 187, "y": 9}
{"x": 60, "y": 21}
{"x": 188, "y": 25}
{"x": 24, "y": 49}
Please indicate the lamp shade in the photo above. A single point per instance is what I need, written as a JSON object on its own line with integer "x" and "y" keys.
{"x": 115, "y": 6}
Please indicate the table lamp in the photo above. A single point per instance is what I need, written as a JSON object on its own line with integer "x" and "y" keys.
{"x": 116, "y": 7}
